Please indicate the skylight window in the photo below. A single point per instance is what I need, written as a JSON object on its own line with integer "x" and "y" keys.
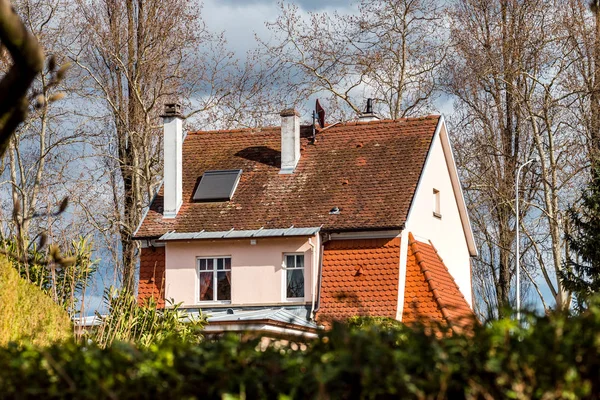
{"x": 217, "y": 185}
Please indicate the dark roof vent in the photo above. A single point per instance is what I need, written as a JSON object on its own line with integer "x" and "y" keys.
{"x": 217, "y": 185}
{"x": 369, "y": 115}
{"x": 334, "y": 211}
{"x": 229, "y": 311}
{"x": 369, "y": 109}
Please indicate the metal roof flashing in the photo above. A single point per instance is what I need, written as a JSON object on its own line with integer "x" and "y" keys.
{"x": 240, "y": 234}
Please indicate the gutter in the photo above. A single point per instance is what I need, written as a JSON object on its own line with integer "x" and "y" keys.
{"x": 320, "y": 266}
{"x": 316, "y": 265}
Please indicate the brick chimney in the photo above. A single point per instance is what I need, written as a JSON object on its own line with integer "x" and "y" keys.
{"x": 172, "y": 158}
{"x": 290, "y": 140}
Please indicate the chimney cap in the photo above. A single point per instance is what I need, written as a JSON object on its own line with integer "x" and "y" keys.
{"x": 289, "y": 112}
{"x": 172, "y": 110}
{"x": 369, "y": 114}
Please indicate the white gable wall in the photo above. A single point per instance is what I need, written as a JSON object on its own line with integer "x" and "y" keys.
{"x": 446, "y": 233}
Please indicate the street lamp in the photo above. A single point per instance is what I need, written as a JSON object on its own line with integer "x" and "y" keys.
{"x": 517, "y": 228}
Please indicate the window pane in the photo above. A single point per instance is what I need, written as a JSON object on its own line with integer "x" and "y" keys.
{"x": 295, "y": 283}
{"x": 209, "y": 264}
{"x": 289, "y": 261}
{"x": 202, "y": 265}
{"x": 228, "y": 263}
{"x": 219, "y": 263}
{"x": 300, "y": 261}
{"x": 223, "y": 285}
{"x": 206, "y": 286}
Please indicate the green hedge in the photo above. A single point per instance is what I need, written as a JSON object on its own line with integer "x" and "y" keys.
{"x": 27, "y": 313}
{"x": 554, "y": 357}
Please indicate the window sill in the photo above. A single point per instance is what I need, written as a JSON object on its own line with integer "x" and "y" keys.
{"x": 227, "y": 305}
{"x": 294, "y": 300}
{"x": 437, "y": 215}
{"x": 216, "y": 302}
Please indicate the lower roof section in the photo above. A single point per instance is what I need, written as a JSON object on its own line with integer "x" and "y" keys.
{"x": 275, "y": 320}
{"x": 359, "y": 278}
{"x": 431, "y": 294}
{"x": 240, "y": 234}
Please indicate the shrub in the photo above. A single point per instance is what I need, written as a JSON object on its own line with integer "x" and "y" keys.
{"x": 551, "y": 357}
{"x": 65, "y": 283}
{"x": 144, "y": 324}
{"x": 27, "y": 313}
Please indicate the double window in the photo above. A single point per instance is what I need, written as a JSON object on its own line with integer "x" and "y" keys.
{"x": 215, "y": 279}
{"x": 294, "y": 276}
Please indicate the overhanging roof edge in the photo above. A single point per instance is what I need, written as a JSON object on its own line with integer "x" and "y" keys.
{"x": 240, "y": 234}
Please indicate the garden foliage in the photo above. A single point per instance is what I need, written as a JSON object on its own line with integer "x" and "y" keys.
{"x": 550, "y": 357}
{"x": 143, "y": 324}
{"x": 27, "y": 313}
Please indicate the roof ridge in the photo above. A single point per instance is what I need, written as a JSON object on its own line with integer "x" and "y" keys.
{"x": 387, "y": 120}
{"x": 428, "y": 278}
{"x": 275, "y": 128}
{"x": 259, "y": 129}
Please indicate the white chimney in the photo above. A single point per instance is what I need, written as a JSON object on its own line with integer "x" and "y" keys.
{"x": 290, "y": 140}
{"x": 172, "y": 143}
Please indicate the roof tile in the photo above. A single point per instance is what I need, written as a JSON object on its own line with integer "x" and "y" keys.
{"x": 374, "y": 291}
{"x": 382, "y": 175}
{"x": 431, "y": 294}
{"x": 151, "y": 281}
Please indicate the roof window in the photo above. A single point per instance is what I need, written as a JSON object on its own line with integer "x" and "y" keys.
{"x": 217, "y": 185}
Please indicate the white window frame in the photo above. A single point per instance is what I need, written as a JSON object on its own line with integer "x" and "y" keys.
{"x": 437, "y": 211}
{"x": 214, "y": 271}
{"x": 285, "y": 272}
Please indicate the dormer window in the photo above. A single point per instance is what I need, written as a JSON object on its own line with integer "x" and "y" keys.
{"x": 436, "y": 204}
{"x": 217, "y": 185}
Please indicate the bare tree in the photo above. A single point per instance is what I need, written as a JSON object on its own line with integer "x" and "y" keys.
{"x": 39, "y": 141}
{"x": 137, "y": 56}
{"x": 28, "y": 60}
{"x": 494, "y": 50}
{"x": 390, "y": 50}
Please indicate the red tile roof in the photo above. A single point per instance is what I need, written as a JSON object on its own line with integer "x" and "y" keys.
{"x": 369, "y": 170}
{"x": 152, "y": 275}
{"x": 431, "y": 294}
{"x": 360, "y": 277}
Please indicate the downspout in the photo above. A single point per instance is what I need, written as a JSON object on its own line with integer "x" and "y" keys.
{"x": 315, "y": 267}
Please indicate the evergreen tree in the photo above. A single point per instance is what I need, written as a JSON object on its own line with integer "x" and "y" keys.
{"x": 581, "y": 275}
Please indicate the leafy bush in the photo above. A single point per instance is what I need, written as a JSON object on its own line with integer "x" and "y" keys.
{"x": 144, "y": 324}
{"x": 27, "y": 313}
{"x": 65, "y": 283}
{"x": 552, "y": 357}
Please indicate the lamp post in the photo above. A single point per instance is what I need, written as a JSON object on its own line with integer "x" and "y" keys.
{"x": 518, "y": 268}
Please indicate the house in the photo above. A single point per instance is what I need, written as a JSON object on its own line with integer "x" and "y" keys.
{"x": 283, "y": 229}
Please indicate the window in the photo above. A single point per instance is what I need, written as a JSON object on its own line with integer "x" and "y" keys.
{"x": 294, "y": 276}
{"x": 436, "y": 204}
{"x": 217, "y": 185}
{"x": 215, "y": 279}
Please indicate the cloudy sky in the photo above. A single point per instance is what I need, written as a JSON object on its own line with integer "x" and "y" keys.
{"x": 242, "y": 19}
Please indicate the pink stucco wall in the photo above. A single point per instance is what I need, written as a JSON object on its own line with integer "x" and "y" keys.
{"x": 256, "y": 273}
